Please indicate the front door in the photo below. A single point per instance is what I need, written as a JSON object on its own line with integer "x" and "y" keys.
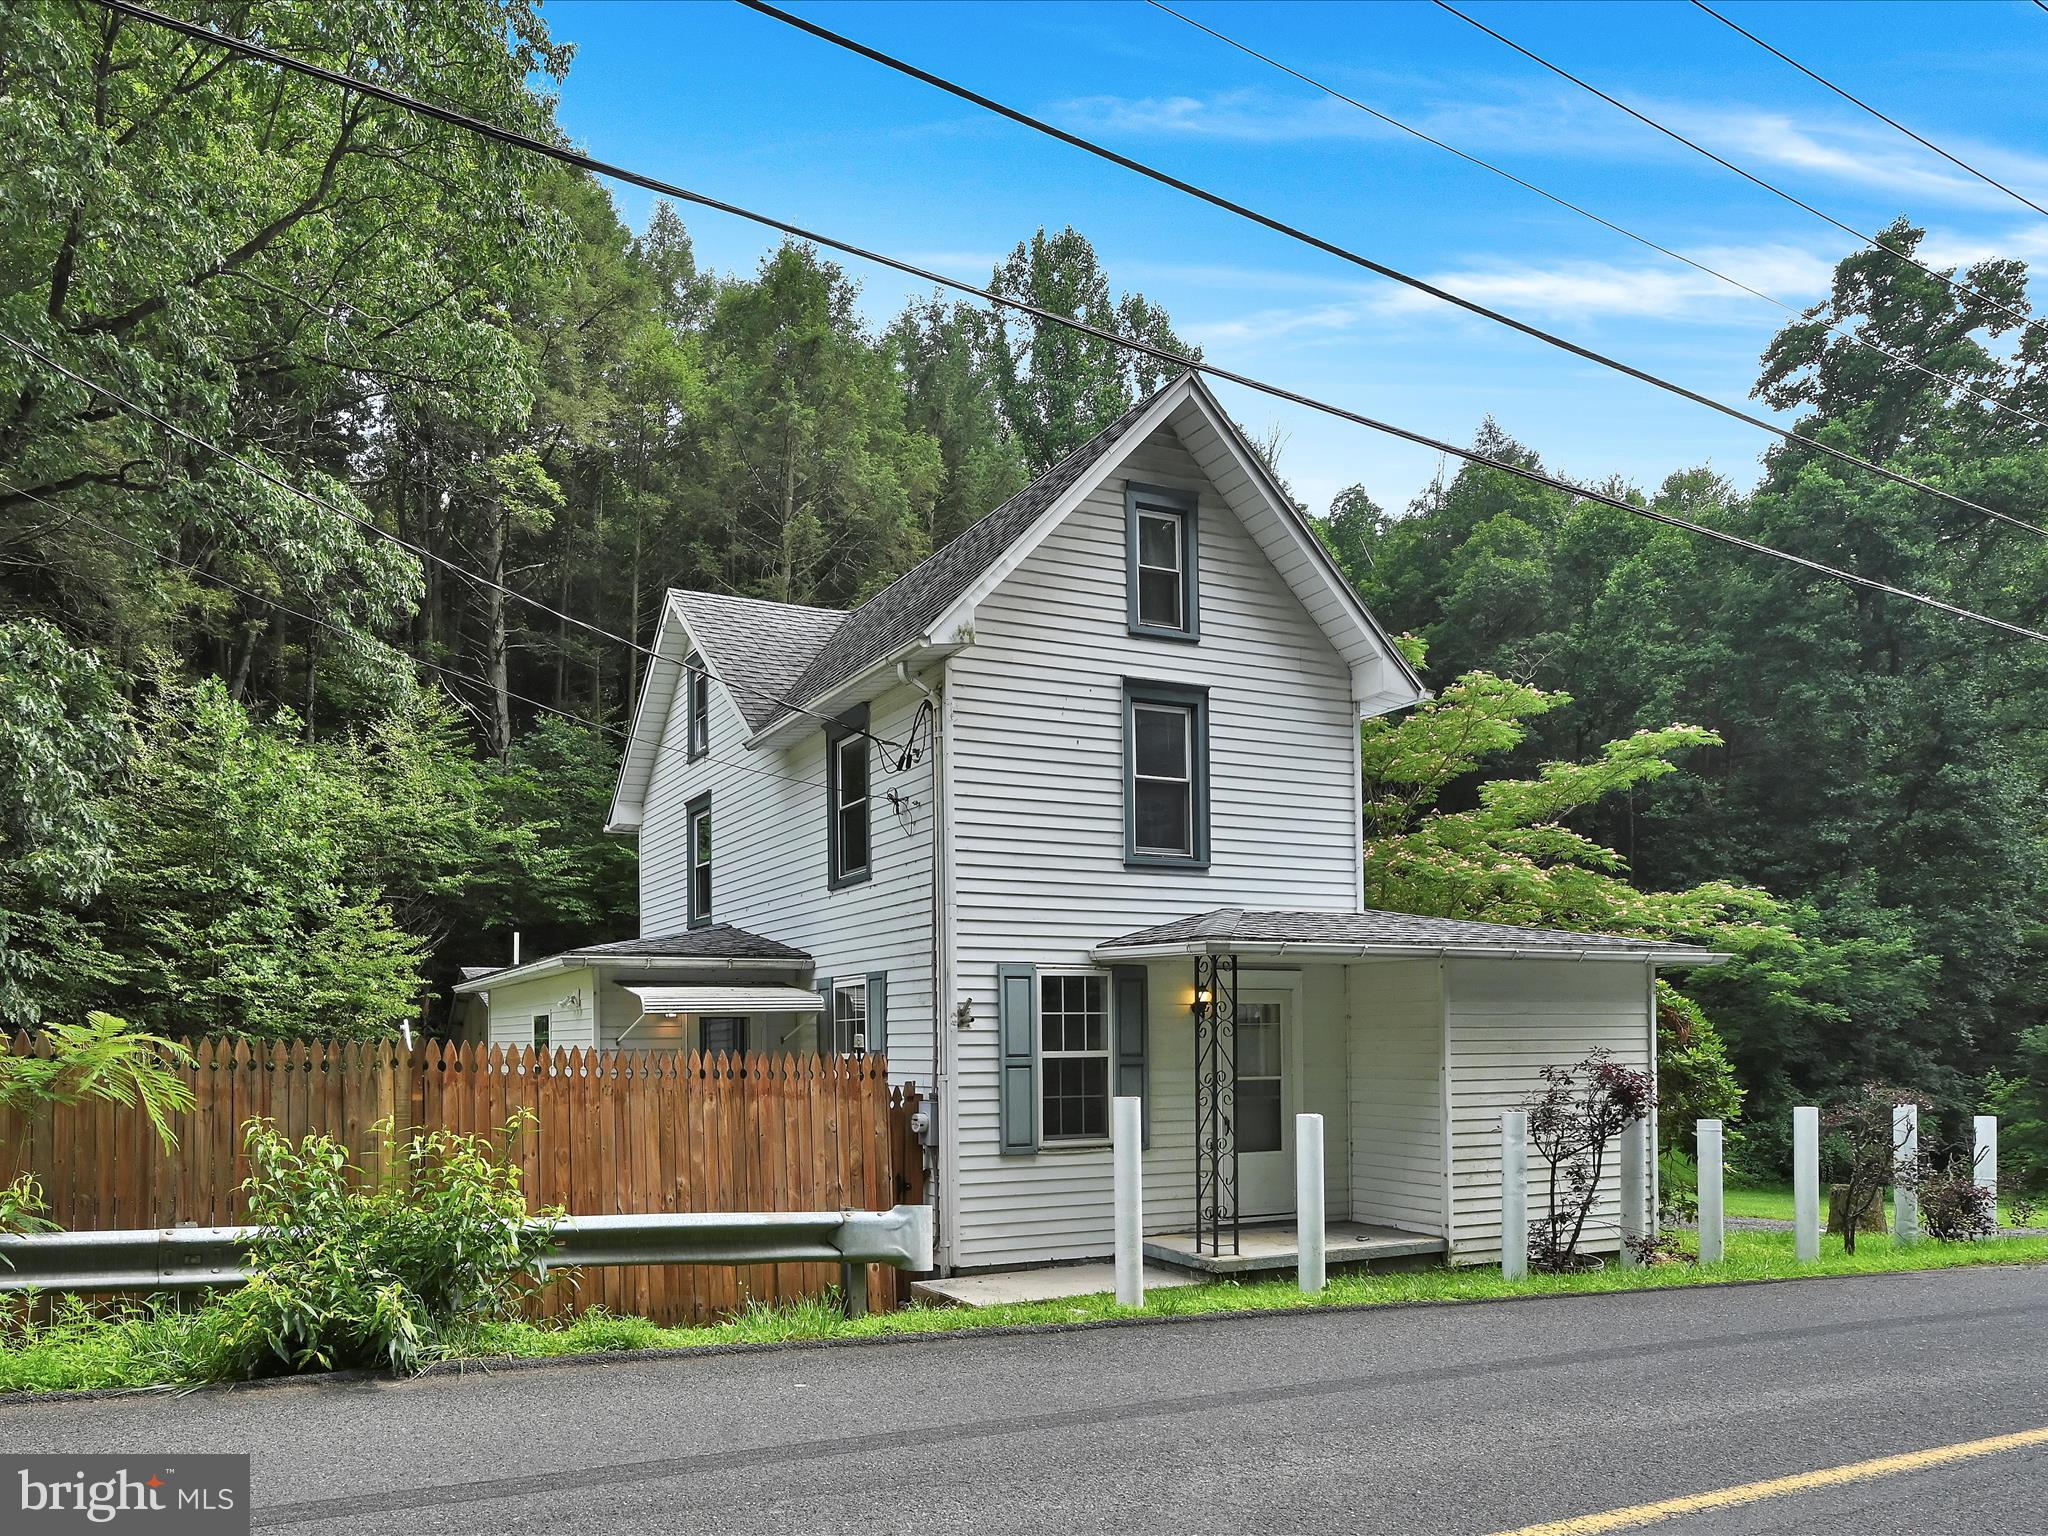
{"x": 1265, "y": 1105}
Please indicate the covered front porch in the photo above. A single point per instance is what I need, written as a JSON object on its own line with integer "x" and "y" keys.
{"x": 1407, "y": 1036}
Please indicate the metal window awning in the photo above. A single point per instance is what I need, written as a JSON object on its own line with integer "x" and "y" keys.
{"x": 667, "y": 1000}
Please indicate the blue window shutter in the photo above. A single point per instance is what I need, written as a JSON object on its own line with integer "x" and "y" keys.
{"x": 1130, "y": 1020}
{"x": 878, "y": 1012}
{"x": 822, "y": 985}
{"x": 1017, "y": 1027}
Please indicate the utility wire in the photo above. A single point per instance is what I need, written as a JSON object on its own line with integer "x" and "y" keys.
{"x": 1345, "y": 253}
{"x": 1820, "y": 79}
{"x": 29, "y": 349}
{"x": 598, "y": 167}
{"x": 1567, "y": 204}
{"x": 2019, "y": 317}
{"x": 72, "y": 514}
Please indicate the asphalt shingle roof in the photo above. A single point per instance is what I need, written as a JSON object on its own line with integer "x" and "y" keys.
{"x": 717, "y": 941}
{"x": 1369, "y": 928}
{"x": 800, "y": 653}
{"x": 760, "y": 648}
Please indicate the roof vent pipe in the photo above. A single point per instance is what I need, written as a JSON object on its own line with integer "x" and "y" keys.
{"x": 515, "y": 946}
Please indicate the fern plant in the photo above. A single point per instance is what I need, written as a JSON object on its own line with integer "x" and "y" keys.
{"x": 103, "y": 1058}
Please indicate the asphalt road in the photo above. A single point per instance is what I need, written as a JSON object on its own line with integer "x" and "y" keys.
{"x": 1440, "y": 1419}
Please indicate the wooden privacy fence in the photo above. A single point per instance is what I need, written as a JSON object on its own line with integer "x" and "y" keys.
{"x": 612, "y": 1131}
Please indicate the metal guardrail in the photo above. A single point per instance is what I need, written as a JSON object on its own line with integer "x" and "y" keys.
{"x": 197, "y": 1258}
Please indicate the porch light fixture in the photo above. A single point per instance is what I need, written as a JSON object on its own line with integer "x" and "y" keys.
{"x": 1201, "y": 1001}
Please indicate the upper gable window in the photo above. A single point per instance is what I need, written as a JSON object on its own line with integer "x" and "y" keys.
{"x": 699, "y": 682}
{"x": 846, "y": 798}
{"x": 1160, "y": 558}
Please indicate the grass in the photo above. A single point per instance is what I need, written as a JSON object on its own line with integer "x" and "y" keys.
{"x": 157, "y": 1346}
{"x": 1774, "y": 1202}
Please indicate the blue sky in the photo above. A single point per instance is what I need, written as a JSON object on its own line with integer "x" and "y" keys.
{"x": 738, "y": 106}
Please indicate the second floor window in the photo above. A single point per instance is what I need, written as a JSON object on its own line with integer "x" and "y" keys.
{"x": 700, "y": 862}
{"x": 1160, "y": 554}
{"x": 699, "y": 684}
{"x": 1166, "y": 775}
{"x": 846, "y": 755}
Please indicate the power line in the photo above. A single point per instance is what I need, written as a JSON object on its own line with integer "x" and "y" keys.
{"x": 1605, "y": 223}
{"x": 2019, "y": 317}
{"x": 356, "y": 638}
{"x": 1345, "y": 253}
{"x": 1820, "y": 79}
{"x": 598, "y": 167}
{"x": 29, "y": 349}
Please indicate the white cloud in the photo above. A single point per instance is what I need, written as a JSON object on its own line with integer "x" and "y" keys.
{"x": 1249, "y": 116}
{"x": 1568, "y": 290}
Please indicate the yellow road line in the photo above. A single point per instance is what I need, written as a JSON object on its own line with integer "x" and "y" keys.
{"x": 1801, "y": 1482}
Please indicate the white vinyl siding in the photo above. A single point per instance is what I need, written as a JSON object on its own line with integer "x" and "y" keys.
{"x": 1505, "y": 1020}
{"x": 1038, "y": 772}
{"x": 769, "y": 874}
{"x": 1396, "y": 1095}
{"x": 565, "y": 998}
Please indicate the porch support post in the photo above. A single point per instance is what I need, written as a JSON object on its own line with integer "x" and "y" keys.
{"x": 1635, "y": 1191}
{"x": 1215, "y": 1102}
{"x": 1308, "y": 1201}
{"x": 1806, "y": 1182}
{"x": 1514, "y": 1194}
{"x": 1127, "y": 1131}
{"x": 1713, "y": 1228}
{"x": 1906, "y": 1175}
{"x": 1984, "y": 1158}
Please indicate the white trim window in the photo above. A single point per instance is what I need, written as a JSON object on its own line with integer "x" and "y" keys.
{"x": 849, "y": 1018}
{"x": 1162, "y": 779}
{"x": 1162, "y": 568}
{"x": 1074, "y": 1056}
{"x": 700, "y": 864}
{"x": 849, "y": 798}
{"x": 699, "y": 681}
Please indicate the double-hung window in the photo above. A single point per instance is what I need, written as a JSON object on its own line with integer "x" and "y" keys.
{"x": 540, "y": 1031}
{"x": 846, "y": 763}
{"x": 1166, "y": 775}
{"x": 699, "y": 901}
{"x": 849, "y": 1018}
{"x": 1074, "y": 1056}
{"x": 698, "y": 682}
{"x": 724, "y": 1034}
{"x": 1160, "y": 551}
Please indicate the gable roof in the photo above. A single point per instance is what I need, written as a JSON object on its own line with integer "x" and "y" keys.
{"x": 758, "y": 649}
{"x": 1228, "y": 930}
{"x": 804, "y": 655}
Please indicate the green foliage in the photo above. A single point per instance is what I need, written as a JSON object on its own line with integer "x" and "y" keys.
{"x": 346, "y": 1275}
{"x": 1695, "y": 1079}
{"x": 2020, "y": 1100}
{"x": 23, "y": 1208}
{"x": 103, "y": 1058}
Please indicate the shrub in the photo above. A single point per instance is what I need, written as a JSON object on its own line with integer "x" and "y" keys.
{"x": 1863, "y": 1148}
{"x": 1678, "y": 1189}
{"x": 1695, "y": 1079}
{"x": 1954, "y": 1207}
{"x": 346, "y": 1275}
{"x": 1572, "y": 1122}
{"x": 22, "y": 1207}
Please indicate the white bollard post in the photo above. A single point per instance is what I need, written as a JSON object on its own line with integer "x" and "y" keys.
{"x": 1984, "y": 1159}
{"x": 1127, "y": 1152}
{"x": 1806, "y": 1182}
{"x": 1713, "y": 1226}
{"x": 1905, "y": 1195}
{"x": 1635, "y": 1190}
{"x": 1308, "y": 1202}
{"x": 1514, "y": 1194}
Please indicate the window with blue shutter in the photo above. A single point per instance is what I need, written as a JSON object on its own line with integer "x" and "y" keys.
{"x": 1017, "y": 1032}
{"x": 878, "y": 1012}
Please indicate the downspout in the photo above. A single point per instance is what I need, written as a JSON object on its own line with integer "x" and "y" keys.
{"x": 941, "y": 1109}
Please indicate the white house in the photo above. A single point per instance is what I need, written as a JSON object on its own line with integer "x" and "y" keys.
{"x": 1068, "y": 811}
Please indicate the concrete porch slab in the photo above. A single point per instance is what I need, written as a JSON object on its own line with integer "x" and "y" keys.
{"x": 1054, "y": 1283}
{"x": 1279, "y": 1247}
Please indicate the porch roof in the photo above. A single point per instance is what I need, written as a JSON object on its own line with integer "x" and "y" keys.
{"x": 1337, "y": 935}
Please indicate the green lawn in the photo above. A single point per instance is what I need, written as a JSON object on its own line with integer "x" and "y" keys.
{"x": 1774, "y": 1202}
{"x": 148, "y": 1348}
